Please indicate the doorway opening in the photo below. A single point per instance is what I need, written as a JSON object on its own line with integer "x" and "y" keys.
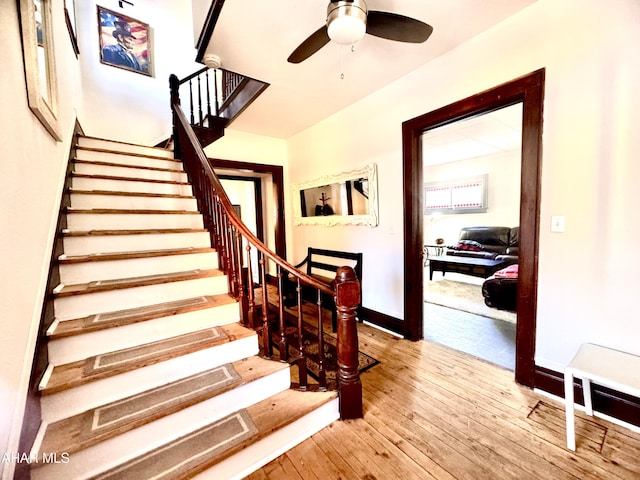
{"x": 529, "y": 91}
{"x": 472, "y": 212}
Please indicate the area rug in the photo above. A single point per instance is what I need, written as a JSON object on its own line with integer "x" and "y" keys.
{"x": 311, "y": 349}
{"x": 463, "y": 296}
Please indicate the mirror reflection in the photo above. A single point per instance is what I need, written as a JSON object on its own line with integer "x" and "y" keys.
{"x": 348, "y": 198}
{"x": 344, "y": 198}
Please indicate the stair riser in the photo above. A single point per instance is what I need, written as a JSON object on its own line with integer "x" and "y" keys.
{"x": 132, "y": 221}
{"x": 85, "y": 397}
{"x": 258, "y": 454}
{"x": 85, "y": 245}
{"x": 78, "y": 347}
{"x": 76, "y": 306}
{"x": 124, "y": 159}
{"x": 92, "y": 271}
{"x": 132, "y": 202}
{"x": 112, "y": 452}
{"x": 99, "y": 143}
{"x": 141, "y": 173}
{"x": 80, "y": 183}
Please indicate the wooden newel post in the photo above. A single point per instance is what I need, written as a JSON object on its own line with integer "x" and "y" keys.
{"x": 174, "y": 88}
{"x": 349, "y": 386}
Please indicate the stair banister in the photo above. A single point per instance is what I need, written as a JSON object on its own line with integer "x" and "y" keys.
{"x": 227, "y": 231}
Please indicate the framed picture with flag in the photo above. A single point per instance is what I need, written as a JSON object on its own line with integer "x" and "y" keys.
{"x": 124, "y": 42}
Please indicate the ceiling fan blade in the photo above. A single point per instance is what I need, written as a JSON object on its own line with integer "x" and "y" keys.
{"x": 311, "y": 45}
{"x": 397, "y": 27}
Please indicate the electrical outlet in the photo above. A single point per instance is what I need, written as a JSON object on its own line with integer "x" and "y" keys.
{"x": 557, "y": 223}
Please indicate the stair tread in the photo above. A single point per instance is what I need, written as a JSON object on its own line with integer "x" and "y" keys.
{"x": 127, "y": 211}
{"x": 151, "y": 231}
{"x": 120, "y": 283}
{"x": 117, "y": 318}
{"x": 127, "y": 179}
{"x": 202, "y": 449}
{"x": 124, "y": 165}
{"x": 100, "y": 257}
{"x": 135, "y": 154}
{"x": 93, "y": 426}
{"x": 75, "y": 191}
{"x": 81, "y": 372}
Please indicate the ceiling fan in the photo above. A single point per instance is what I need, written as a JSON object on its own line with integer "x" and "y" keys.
{"x": 349, "y": 20}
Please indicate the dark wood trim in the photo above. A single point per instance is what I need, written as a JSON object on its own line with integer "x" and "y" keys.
{"x": 207, "y": 29}
{"x": 529, "y": 90}
{"x": 383, "y": 320}
{"x": 277, "y": 176}
{"x": 257, "y": 199}
{"x": 605, "y": 400}
{"x": 72, "y": 33}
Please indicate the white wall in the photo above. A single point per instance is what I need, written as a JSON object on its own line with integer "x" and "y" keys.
{"x": 33, "y": 168}
{"x": 503, "y": 195}
{"x": 125, "y": 105}
{"x": 587, "y": 275}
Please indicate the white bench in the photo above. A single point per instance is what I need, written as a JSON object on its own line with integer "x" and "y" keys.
{"x": 601, "y": 365}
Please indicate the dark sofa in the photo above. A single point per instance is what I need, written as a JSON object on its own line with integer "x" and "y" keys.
{"x": 499, "y": 243}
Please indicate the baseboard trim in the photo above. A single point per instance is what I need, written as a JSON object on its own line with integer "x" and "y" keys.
{"x": 383, "y": 320}
{"x": 607, "y": 401}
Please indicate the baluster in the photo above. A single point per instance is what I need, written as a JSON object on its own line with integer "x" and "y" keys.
{"x": 235, "y": 261}
{"x": 216, "y": 100}
{"x": 284, "y": 350}
{"x": 251, "y": 293}
{"x": 192, "y": 118}
{"x": 244, "y": 284}
{"x": 265, "y": 334}
{"x": 347, "y": 290}
{"x": 230, "y": 248}
{"x": 206, "y": 74}
{"x": 302, "y": 361}
{"x": 199, "y": 101}
{"x": 218, "y": 240}
{"x": 322, "y": 374}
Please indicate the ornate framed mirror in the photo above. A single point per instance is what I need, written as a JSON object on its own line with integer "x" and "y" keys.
{"x": 349, "y": 198}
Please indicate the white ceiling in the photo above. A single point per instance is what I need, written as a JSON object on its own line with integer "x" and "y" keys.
{"x": 255, "y": 37}
{"x": 487, "y": 134}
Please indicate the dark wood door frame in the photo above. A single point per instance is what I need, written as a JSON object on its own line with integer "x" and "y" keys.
{"x": 257, "y": 200}
{"x": 277, "y": 177}
{"x": 529, "y": 90}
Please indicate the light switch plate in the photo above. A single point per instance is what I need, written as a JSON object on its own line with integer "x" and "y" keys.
{"x": 557, "y": 223}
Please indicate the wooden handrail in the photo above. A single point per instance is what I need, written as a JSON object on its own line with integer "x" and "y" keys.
{"x": 229, "y": 236}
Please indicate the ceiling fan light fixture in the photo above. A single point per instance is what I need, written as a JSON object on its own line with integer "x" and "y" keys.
{"x": 347, "y": 21}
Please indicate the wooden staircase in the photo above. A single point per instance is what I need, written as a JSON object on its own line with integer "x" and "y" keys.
{"x": 150, "y": 374}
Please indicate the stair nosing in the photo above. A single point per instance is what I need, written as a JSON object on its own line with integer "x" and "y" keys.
{"x": 133, "y": 154}
{"x": 123, "y": 211}
{"x": 120, "y": 193}
{"x": 94, "y": 323}
{"x": 132, "y": 365}
{"x": 127, "y": 179}
{"x": 245, "y": 368}
{"x": 132, "y": 282}
{"x": 151, "y": 231}
{"x": 125, "y": 165}
{"x": 65, "y": 259}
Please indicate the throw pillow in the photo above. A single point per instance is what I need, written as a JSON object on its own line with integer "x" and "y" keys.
{"x": 509, "y": 272}
{"x": 469, "y": 245}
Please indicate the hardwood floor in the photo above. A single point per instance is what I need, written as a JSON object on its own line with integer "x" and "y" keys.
{"x": 435, "y": 413}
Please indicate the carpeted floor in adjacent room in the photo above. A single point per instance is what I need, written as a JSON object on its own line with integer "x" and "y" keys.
{"x": 455, "y": 315}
